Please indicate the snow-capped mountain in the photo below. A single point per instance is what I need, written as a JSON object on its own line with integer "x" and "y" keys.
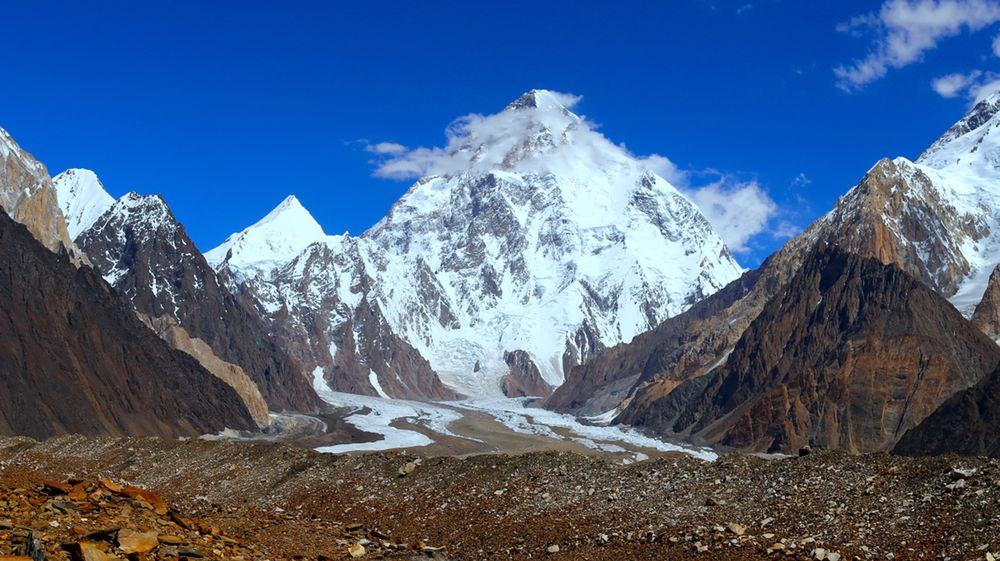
{"x": 531, "y": 233}
{"x": 937, "y": 217}
{"x": 139, "y": 247}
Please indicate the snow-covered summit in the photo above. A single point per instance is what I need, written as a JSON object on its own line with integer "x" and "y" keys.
{"x": 82, "y": 198}
{"x": 529, "y": 231}
{"x": 275, "y": 239}
{"x": 970, "y": 147}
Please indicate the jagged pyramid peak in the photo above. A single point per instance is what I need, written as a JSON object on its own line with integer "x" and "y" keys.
{"x": 277, "y": 238}
{"x": 544, "y": 100}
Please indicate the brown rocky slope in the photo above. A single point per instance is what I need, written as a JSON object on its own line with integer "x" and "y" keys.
{"x": 967, "y": 424}
{"x": 851, "y": 355}
{"x": 73, "y": 358}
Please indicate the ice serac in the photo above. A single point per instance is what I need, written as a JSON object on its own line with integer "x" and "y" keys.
{"x": 82, "y": 198}
{"x": 937, "y": 219}
{"x": 141, "y": 249}
{"x": 75, "y": 359}
{"x": 28, "y": 196}
{"x": 532, "y": 234}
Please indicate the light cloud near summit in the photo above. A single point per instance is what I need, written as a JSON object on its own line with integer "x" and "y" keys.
{"x": 739, "y": 210}
{"x": 903, "y": 30}
{"x": 973, "y": 85}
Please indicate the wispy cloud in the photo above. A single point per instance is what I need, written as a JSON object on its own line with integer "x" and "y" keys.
{"x": 384, "y": 148}
{"x": 973, "y": 85}
{"x": 903, "y": 30}
{"x": 739, "y": 210}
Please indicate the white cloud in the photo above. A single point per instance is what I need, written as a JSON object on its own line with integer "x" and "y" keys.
{"x": 801, "y": 180}
{"x": 974, "y": 85}
{"x": 738, "y": 211}
{"x": 904, "y": 30}
{"x": 996, "y": 45}
{"x": 386, "y": 148}
{"x": 662, "y": 166}
{"x": 952, "y": 85}
{"x": 985, "y": 88}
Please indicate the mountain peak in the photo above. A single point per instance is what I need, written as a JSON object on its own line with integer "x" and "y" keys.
{"x": 970, "y": 141}
{"x": 277, "y": 238}
{"x": 82, "y": 199}
{"x": 290, "y": 207}
{"x": 544, "y": 100}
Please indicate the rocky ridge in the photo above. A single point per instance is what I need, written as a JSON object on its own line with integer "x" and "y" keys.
{"x": 851, "y": 356}
{"x": 74, "y": 359}
{"x": 141, "y": 249}
{"x": 28, "y": 196}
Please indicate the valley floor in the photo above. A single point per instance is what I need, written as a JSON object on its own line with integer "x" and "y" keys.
{"x": 289, "y": 503}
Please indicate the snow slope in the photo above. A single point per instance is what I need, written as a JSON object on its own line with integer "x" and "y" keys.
{"x": 273, "y": 241}
{"x": 82, "y": 198}
{"x": 531, "y": 232}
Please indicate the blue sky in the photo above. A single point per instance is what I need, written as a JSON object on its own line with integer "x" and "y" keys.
{"x": 226, "y": 107}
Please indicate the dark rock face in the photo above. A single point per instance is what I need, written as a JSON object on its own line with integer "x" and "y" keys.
{"x": 967, "y": 424}
{"x": 74, "y": 359}
{"x": 145, "y": 253}
{"x": 668, "y": 354}
{"x": 987, "y": 314}
{"x": 524, "y": 379}
{"x": 850, "y": 355}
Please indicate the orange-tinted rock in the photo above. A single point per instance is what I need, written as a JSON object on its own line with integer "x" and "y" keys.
{"x": 131, "y": 541}
{"x": 159, "y": 506}
{"x": 111, "y": 486}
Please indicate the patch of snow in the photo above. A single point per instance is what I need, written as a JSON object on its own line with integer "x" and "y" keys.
{"x": 373, "y": 380}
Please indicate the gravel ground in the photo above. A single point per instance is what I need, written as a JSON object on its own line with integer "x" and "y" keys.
{"x": 290, "y": 503}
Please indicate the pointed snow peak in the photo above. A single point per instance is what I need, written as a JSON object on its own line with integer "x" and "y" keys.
{"x": 544, "y": 100}
{"x": 82, "y": 199}
{"x": 289, "y": 209}
{"x": 273, "y": 240}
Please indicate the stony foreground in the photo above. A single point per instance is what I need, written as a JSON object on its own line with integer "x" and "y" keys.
{"x": 261, "y": 501}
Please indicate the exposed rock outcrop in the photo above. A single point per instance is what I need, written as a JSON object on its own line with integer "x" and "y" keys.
{"x": 74, "y": 359}
{"x": 523, "y": 379}
{"x": 987, "y": 314}
{"x": 850, "y": 355}
{"x": 178, "y": 337}
{"x": 28, "y": 196}
{"x": 967, "y": 424}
